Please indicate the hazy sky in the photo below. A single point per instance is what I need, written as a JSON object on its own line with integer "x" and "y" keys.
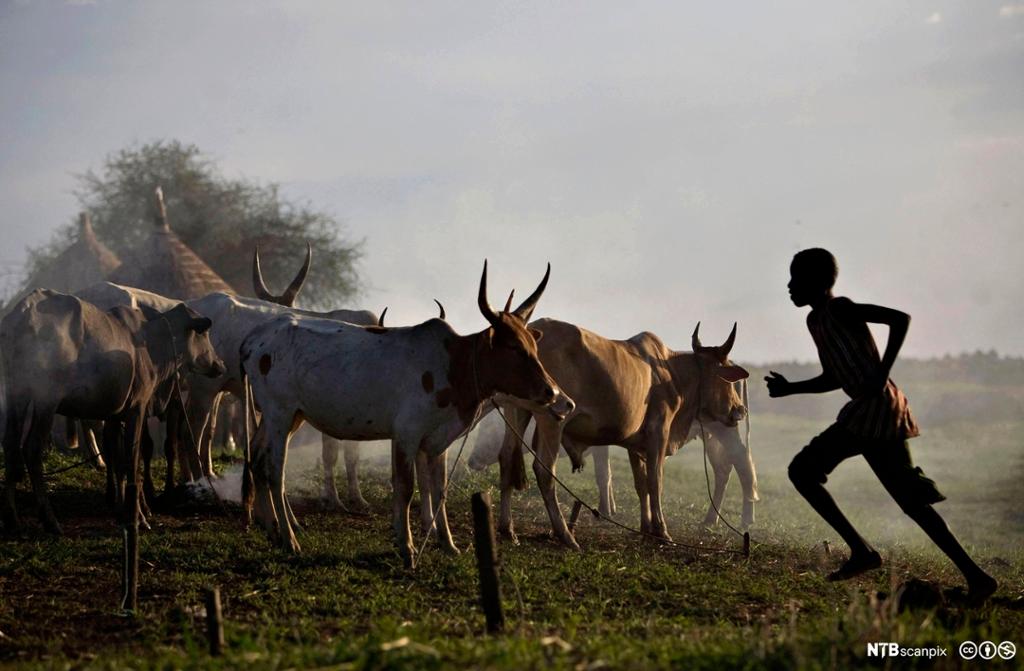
{"x": 667, "y": 158}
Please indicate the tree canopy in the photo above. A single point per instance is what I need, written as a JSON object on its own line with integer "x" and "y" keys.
{"x": 220, "y": 218}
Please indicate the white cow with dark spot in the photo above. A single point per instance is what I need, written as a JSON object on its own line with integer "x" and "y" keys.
{"x": 420, "y": 386}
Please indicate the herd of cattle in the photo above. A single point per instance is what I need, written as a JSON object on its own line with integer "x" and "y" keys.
{"x": 113, "y": 359}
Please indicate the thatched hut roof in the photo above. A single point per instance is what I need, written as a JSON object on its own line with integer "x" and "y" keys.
{"x": 85, "y": 262}
{"x": 165, "y": 265}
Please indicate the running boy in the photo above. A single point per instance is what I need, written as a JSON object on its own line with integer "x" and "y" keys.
{"x": 876, "y": 423}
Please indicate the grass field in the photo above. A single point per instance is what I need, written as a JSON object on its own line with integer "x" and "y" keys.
{"x": 346, "y": 602}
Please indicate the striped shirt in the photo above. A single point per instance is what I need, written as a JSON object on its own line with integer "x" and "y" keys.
{"x": 849, "y": 355}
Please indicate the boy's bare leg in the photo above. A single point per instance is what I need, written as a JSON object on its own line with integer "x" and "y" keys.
{"x": 862, "y": 556}
{"x": 980, "y": 585}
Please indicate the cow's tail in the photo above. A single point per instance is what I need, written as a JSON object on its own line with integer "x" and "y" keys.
{"x": 248, "y": 412}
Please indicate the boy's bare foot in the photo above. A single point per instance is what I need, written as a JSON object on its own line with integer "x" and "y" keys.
{"x": 856, "y": 565}
{"x": 979, "y": 589}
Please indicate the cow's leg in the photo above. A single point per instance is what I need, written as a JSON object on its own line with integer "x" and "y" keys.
{"x": 426, "y": 493}
{"x": 512, "y": 467}
{"x": 65, "y": 435}
{"x": 655, "y": 481}
{"x": 110, "y": 446}
{"x": 722, "y": 473}
{"x": 277, "y": 452}
{"x": 146, "y": 447}
{"x": 35, "y": 446}
{"x": 206, "y": 438}
{"x": 257, "y": 499}
{"x": 743, "y": 462}
{"x": 136, "y": 508}
{"x": 639, "y": 468}
{"x": 14, "y": 462}
{"x": 402, "y": 476}
{"x": 329, "y": 455}
{"x": 546, "y": 442}
{"x": 438, "y": 465}
{"x": 196, "y": 419}
{"x": 603, "y": 478}
{"x": 354, "y": 499}
{"x": 172, "y": 423}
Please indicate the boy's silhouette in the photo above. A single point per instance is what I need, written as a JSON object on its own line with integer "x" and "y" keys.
{"x": 876, "y": 423}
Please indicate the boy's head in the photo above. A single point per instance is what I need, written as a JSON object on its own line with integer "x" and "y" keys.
{"x": 812, "y": 274}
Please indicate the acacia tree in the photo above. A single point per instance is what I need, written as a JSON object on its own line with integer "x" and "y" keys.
{"x": 221, "y": 219}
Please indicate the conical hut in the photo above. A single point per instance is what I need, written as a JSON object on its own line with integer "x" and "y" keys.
{"x": 85, "y": 262}
{"x": 165, "y": 265}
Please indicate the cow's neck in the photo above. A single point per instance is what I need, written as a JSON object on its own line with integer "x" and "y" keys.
{"x": 686, "y": 377}
{"x": 159, "y": 348}
{"x": 470, "y": 384}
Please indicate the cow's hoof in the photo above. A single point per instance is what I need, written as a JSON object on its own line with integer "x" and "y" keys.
{"x": 569, "y": 542}
{"x": 450, "y": 548}
{"x": 328, "y": 502}
{"x": 408, "y": 558}
{"x": 358, "y": 506}
{"x": 509, "y": 534}
{"x": 53, "y": 528}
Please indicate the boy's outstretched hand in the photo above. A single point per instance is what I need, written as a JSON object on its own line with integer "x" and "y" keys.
{"x": 778, "y": 386}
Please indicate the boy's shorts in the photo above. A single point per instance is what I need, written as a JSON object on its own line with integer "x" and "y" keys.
{"x": 889, "y": 459}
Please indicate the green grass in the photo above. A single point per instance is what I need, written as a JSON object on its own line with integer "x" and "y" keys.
{"x": 346, "y": 602}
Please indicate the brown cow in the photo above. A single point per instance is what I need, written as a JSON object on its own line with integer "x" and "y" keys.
{"x": 636, "y": 393}
{"x": 64, "y": 355}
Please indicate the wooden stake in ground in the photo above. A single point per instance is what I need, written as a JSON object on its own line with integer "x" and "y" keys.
{"x": 487, "y": 562}
{"x": 214, "y": 621}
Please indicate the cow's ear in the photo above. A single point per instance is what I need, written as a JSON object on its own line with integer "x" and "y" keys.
{"x": 732, "y": 373}
{"x": 148, "y": 312}
{"x": 200, "y": 324}
{"x": 537, "y": 334}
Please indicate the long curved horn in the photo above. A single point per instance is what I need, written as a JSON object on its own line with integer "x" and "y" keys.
{"x": 292, "y": 292}
{"x": 726, "y": 347}
{"x": 380, "y": 320}
{"x": 257, "y": 279}
{"x": 481, "y": 299}
{"x": 441, "y": 308}
{"x": 526, "y": 309}
{"x": 508, "y": 303}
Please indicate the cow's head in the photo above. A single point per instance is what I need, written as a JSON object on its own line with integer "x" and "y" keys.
{"x": 189, "y": 333}
{"x": 508, "y": 360}
{"x": 718, "y": 398}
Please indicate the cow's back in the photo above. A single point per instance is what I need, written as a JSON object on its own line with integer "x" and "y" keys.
{"x": 60, "y": 349}
{"x": 610, "y": 380}
{"x": 332, "y": 371}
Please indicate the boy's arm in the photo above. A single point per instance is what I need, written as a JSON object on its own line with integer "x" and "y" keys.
{"x": 898, "y": 323}
{"x": 779, "y": 386}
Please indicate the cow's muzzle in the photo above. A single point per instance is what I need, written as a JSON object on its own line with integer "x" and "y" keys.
{"x": 561, "y": 406}
{"x": 215, "y": 368}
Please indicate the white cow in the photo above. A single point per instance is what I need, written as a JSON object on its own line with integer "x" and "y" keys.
{"x": 420, "y": 386}
{"x": 726, "y": 451}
